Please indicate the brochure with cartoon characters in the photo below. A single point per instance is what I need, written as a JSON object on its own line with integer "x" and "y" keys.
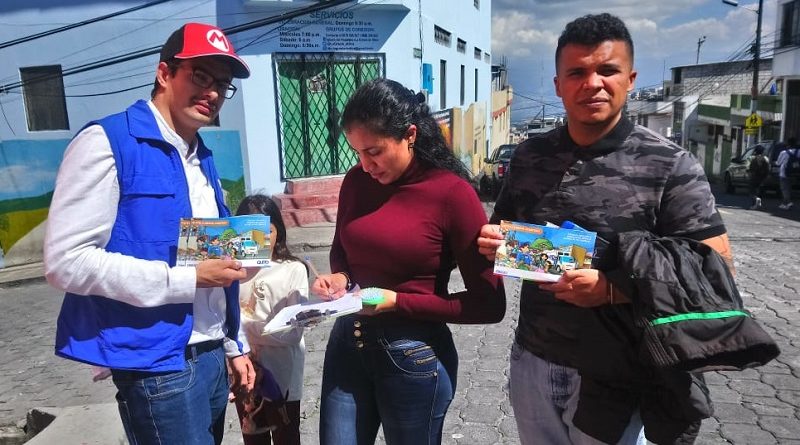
{"x": 244, "y": 238}
{"x": 542, "y": 253}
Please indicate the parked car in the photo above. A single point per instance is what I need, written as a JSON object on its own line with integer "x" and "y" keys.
{"x": 494, "y": 170}
{"x": 736, "y": 173}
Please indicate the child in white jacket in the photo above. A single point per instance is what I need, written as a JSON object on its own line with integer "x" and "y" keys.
{"x": 283, "y": 354}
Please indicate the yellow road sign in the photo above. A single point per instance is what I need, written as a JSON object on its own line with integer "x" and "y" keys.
{"x": 753, "y": 121}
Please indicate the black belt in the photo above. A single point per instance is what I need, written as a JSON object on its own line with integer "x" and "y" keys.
{"x": 195, "y": 349}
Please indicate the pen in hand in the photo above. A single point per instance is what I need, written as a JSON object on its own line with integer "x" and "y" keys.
{"x": 311, "y": 267}
{"x": 315, "y": 272}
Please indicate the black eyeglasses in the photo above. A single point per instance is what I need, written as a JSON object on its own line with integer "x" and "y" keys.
{"x": 205, "y": 80}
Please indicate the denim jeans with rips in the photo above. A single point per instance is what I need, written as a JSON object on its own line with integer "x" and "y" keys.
{"x": 400, "y": 377}
{"x": 544, "y": 397}
{"x": 175, "y": 408}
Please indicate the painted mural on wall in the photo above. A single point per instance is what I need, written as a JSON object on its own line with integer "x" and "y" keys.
{"x": 28, "y": 171}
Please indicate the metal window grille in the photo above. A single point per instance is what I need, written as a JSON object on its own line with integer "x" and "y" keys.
{"x": 442, "y": 36}
{"x": 312, "y": 90}
{"x": 461, "y": 46}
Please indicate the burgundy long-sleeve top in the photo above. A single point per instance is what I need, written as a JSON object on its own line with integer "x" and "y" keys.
{"x": 408, "y": 236}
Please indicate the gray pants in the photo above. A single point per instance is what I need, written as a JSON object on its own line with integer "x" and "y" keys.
{"x": 544, "y": 396}
{"x": 786, "y": 190}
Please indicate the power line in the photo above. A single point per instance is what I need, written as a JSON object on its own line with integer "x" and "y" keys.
{"x": 77, "y": 25}
{"x": 133, "y": 55}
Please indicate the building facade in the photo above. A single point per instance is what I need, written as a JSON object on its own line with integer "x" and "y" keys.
{"x": 786, "y": 66}
{"x": 306, "y": 58}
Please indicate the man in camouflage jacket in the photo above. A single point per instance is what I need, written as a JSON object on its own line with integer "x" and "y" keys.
{"x": 609, "y": 176}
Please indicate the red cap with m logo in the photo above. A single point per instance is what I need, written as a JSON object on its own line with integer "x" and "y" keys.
{"x": 200, "y": 40}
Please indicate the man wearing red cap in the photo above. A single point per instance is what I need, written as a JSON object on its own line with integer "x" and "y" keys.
{"x": 126, "y": 180}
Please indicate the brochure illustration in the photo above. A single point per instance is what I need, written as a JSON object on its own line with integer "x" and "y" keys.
{"x": 542, "y": 253}
{"x": 244, "y": 238}
{"x": 310, "y": 313}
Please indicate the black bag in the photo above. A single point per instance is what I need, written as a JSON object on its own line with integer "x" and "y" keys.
{"x": 759, "y": 167}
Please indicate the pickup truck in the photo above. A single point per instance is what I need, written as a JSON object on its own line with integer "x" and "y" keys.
{"x": 494, "y": 170}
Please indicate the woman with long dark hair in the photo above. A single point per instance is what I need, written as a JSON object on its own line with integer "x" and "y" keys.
{"x": 407, "y": 217}
{"x": 279, "y": 356}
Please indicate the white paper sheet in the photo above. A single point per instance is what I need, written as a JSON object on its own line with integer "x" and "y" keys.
{"x": 286, "y": 318}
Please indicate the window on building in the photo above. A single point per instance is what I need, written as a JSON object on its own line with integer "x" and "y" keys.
{"x": 477, "y": 4}
{"x": 478, "y": 53}
{"x": 442, "y": 84}
{"x": 790, "y": 24}
{"x": 487, "y": 57}
{"x": 461, "y": 46}
{"x": 43, "y": 92}
{"x": 476, "y": 84}
{"x": 442, "y": 36}
{"x": 677, "y": 74}
{"x": 463, "y": 81}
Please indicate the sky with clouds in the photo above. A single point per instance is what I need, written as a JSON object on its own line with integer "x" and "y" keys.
{"x": 665, "y": 34}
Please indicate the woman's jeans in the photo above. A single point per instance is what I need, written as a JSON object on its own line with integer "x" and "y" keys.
{"x": 400, "y": 374}
{"x": 176, "y": 408}
{"x": 544, "y": 396}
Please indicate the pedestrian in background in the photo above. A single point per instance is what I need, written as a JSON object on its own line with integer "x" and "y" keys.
{"x": 609, "y": 176}
{"x": 757, "y": 172}
{"x": 786, "y": 171}
{"x": 407, "y": 216}
{"x": 279, "y": 356}
{"x": 124, "y": 184}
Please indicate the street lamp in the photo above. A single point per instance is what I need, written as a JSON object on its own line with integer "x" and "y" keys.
{"x": 756, "y": 60}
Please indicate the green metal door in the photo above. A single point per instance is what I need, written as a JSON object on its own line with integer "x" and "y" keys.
{"x": 312, "y": 92}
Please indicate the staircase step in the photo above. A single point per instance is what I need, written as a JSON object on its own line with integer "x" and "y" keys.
{"x": 312, "y": 186}
{"x": 294, "y": 201}
{"x": 309, "y": 216}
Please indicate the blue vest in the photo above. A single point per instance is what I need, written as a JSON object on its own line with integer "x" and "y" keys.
{"x": 154, "y": 196}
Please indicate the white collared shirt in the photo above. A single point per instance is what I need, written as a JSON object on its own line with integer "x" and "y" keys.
{"x": 82, "y": 214}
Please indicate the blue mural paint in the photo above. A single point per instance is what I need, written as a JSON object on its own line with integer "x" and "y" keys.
{"x": 28, "y": 168}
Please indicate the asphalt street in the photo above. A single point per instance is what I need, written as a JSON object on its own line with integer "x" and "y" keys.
{"x": 756, "y": 406}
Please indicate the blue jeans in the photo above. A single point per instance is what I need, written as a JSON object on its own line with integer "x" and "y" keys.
{"x": 175, "y": 408}
{"x": 545, "y": 396}
{"x": 401, "y": 375}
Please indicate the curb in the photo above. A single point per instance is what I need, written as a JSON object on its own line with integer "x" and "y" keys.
{"x": 18, "y": 275}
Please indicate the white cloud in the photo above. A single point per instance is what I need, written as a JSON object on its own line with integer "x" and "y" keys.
{"x": 518, "y": 34}
{"x": 665, "y": 34}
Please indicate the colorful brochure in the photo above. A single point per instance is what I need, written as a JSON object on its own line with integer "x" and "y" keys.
{"x": 244, "y": 238}
{"x": 542, "y": 253}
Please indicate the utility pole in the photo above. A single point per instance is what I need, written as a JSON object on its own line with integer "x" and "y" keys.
{"x": 756, "y": 59}
{"x": 756, "y": 64}
{"x": 699, "y": 44}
